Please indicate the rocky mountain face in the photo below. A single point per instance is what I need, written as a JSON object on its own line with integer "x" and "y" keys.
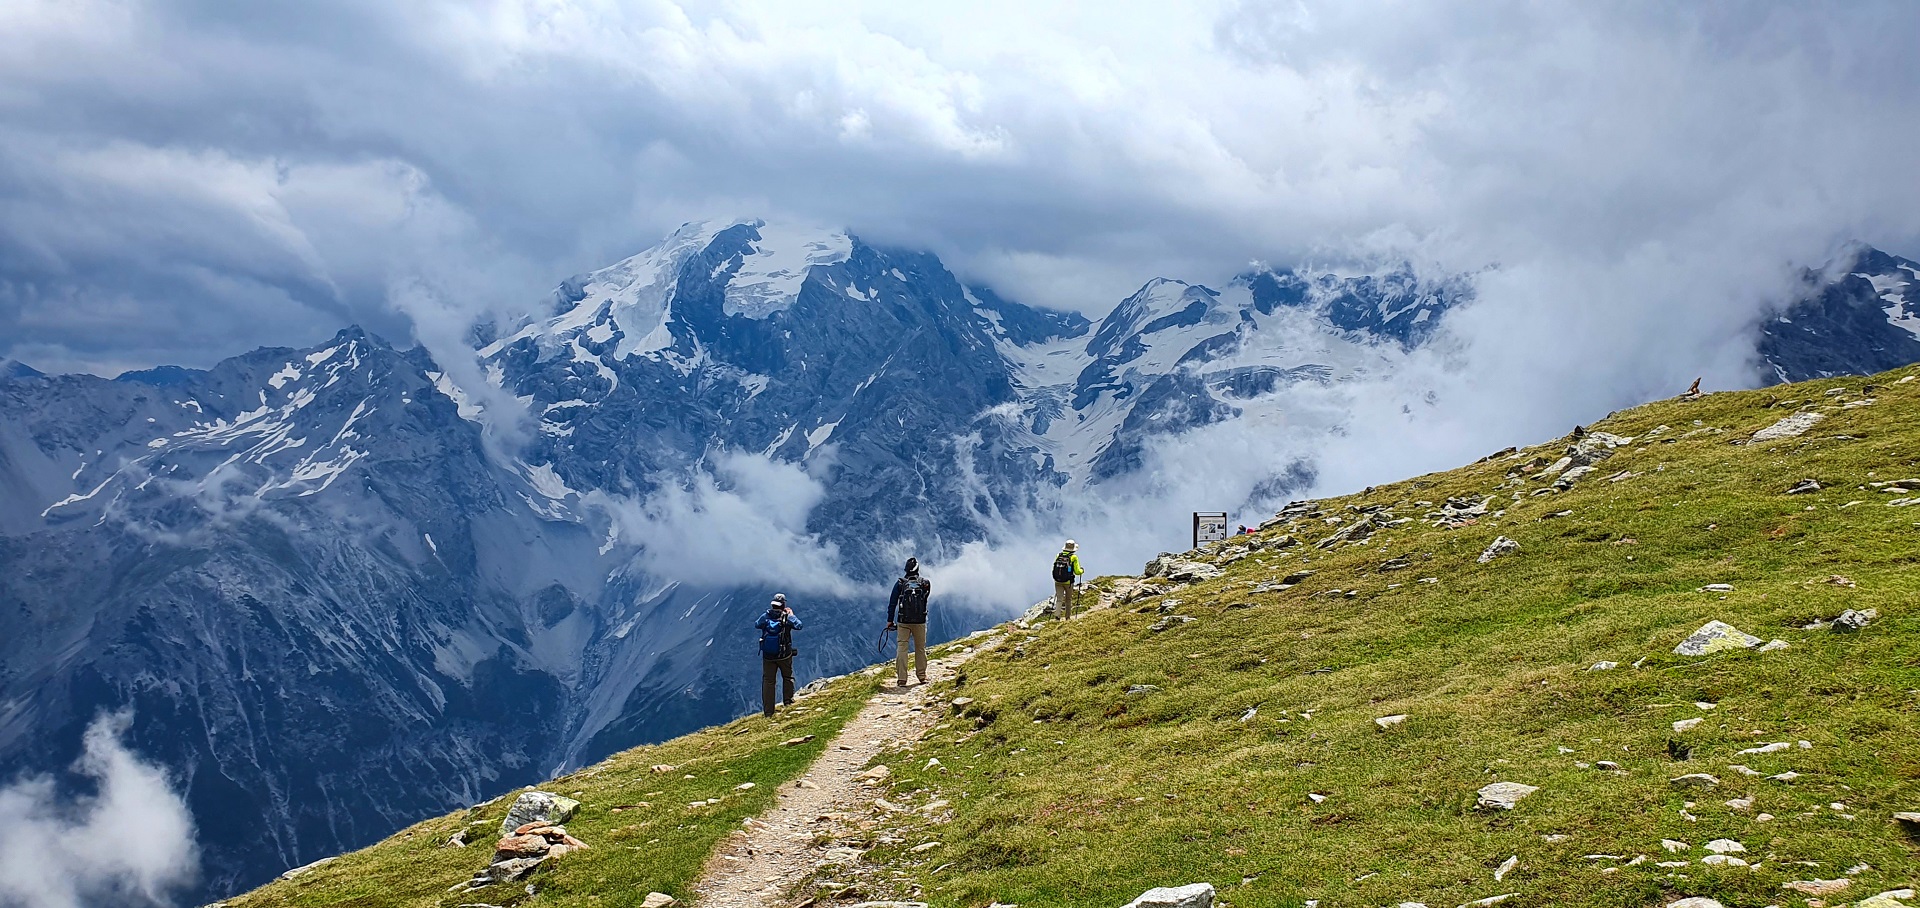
{"x": 341, "y": 588}
{"x": 1858, "y": 319}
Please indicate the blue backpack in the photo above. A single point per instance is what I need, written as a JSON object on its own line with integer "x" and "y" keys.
{"x": 776, "y": 642}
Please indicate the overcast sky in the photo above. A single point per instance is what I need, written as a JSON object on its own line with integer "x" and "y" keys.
{"x": 182, "y": 181}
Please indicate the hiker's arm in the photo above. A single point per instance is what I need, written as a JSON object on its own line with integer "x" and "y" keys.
{"x": 892, "y": 601}
{"x": 793, "y": 620}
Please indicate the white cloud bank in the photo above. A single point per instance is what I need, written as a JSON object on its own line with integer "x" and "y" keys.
{"x": 129, "y": 843}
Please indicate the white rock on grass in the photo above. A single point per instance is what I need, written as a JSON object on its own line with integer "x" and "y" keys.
{"x": 1722, "y": 860}
{"x": 1499, "y": 546}
{"x": 1851, "y": 620}
{"x": 1892, "y": 898}
{"x": 1715, "y": 637}
{"x": 1686, "y": 724}
{"x": 1507, "y": 866}
{"x": 1192, "y": 895}
{"x": 1503, "y": 795}
{"x": 659, "y": 900}
{"x": 1792, "y": 427}
{"x": 1386, "y": 722}
{"x": 1818, "y": 888}
{"x": 1603, "y": 666}
{"x": 1725, "y": 846}
{"x": 1694, "y": 780}
{"x": 1489, "y": 900}
{"x": 1698, "y": 901}
{"x": 1674, "y": 847}
{"x": 1773, "y": 748}
{"x": 1773, "y": 645}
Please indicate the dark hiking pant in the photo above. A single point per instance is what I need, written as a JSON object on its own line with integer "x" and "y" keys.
{"x": 768, "y": 667}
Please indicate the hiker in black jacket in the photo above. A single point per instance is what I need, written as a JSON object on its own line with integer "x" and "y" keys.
{"x": 907, "y": 611}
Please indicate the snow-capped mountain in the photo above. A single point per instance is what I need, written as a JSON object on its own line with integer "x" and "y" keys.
{"x": 1857, "y": 319}
{"x": 344, "y": 587}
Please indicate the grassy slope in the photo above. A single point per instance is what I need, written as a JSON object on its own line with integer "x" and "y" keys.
{"x": 1072, "y": 792}
{"x": 657, "y": 847}
{"x": 1068, "y": 791}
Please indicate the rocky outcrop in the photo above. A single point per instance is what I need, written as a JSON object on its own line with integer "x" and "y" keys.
{"x": 1715, "y": 637}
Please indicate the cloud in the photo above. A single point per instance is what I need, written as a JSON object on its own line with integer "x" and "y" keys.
{"x": 739, "y": 521}
{"x": 1633, "y": 184}
{"x": 130, "y": 842}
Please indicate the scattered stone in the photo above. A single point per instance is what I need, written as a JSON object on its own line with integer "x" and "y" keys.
{"x": 1909, "y": 820}
{"x": 1603, "y": 666}
{"x": 1191, "y": 571}
{"x": 1606, "y": 766}
{"x": 1892, "y": 898}
{"x": 297, "y": 871}
{"x": 1803, "y": 487}
{"x": 1489, "y": 900}
{"x": 1500, "y": 546}
{"x": 1685, "y": 725}
{"x": 1698, "y": 901}
{"x": 1137, "y": 689}
{"x": 875, "y": 774}
{"x": 1295, "y": 577}
{"x": 1694, "y": 780}
{"x": 1714, "y": 637}
{"x": 1503, "y": 795}
{"x": 662, "y": 767}
{"x": 1716, "y": 588}
{"x": 962, "y": 702}
{"x": 1725, "y": 846}
{"x": 1787, "y": 776}
{"x": 1740, "y": 804}
{"x": 1722, "y": 860}
{"x": 1250, "y": 713}
{"x": 1773, "y": 645}
{"x": 1507, "y": 866}
{"x": 743, "y": 786}
{"x": 521, "y": 846}
{"x": 1316, "y": 797}
{"x": 534, "y": 806}
{"x": 659, "y": 900}
{"x": 924, "y": 847}
{"x": 457, "y": 840}
{"x": 1170, "y": 622}
{"x": 1773, "y": 748}
{"x": 1792, "y": 427}
{"x": 1386, "y": 722}
{"x": 1674, "y": 847}
{"x": 1851, "y": 620}
{"x": 1840, "y": 580}
{"x": 1193, "y": 895}
{"x": 790, "y": 742}
{"x": 1818, "y": 887}
{"x": 1396, "y": 564}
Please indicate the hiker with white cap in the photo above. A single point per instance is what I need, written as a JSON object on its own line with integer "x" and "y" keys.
{"x": 1066, "y": 571}
{"x": 776, "y": 651}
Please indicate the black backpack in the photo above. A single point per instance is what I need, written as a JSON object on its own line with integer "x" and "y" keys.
{"x": 1063, "y": 568}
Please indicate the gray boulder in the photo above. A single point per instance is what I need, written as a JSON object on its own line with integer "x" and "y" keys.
{"x": 1192, "y": 895}
{"x": 1803, "y": 487}
{"x": 1170, "y": 622}
{"x": 1500, "y": 546}
{"x": 1851, "y": 620}
{"x": 1503, "y": 795}
{"x": 1715, "y": 637}
{"x": 1191, "y": 571}
{"x": 537, "y": 806}
{"x": 1792, "y": 427}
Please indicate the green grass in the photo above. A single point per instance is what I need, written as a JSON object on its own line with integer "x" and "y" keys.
{"x": 1071, "y": 792}
{"x": 1067, "y": 791}
{"x": 635, "y": 850}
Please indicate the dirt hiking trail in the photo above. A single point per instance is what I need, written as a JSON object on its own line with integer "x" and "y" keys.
{"x": 760, "y": 864}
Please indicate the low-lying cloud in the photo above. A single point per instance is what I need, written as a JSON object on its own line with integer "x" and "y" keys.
{"x": 740, "y": 520}
{"x": 130, "y": 842}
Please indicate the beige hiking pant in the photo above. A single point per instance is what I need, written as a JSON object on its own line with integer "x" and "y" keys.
{"x": 916, "y": 636}
{"x": 1063, "y": 596}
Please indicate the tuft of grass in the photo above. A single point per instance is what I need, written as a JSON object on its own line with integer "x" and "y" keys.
{"x": 645, "y": 833}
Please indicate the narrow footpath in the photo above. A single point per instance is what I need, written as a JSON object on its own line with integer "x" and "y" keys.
{"x": 771, "y": 853}
{"x": 821, "y": 813}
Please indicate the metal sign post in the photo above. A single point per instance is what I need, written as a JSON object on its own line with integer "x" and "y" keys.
{"x": 1209, "y": 526}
